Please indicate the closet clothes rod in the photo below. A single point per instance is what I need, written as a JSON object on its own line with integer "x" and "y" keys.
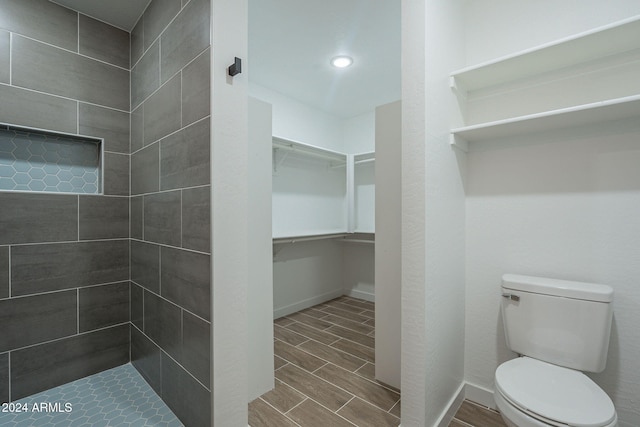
{"x": 281, "y": 240}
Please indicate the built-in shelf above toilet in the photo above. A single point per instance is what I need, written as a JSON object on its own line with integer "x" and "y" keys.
{"x": 588, "y": 78}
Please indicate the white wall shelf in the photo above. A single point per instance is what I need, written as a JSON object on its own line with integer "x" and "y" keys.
{"x": 289, "y": 146}
{"x": 556, "y": 119}
{"x": 509, "y": 88}
{"x": 622, "y": 36}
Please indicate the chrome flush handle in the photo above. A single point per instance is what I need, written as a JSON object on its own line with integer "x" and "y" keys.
{"x": 511, "y": 297}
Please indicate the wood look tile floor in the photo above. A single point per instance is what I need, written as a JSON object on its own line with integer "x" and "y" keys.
{"x": 324, "y": 374}
{"x": 324, "y": 371}
{"x": 472, "y": 414}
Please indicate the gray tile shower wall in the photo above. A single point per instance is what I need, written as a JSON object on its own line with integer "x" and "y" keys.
{"x": 64, "y": 259}
{"x": 170, "y": 205}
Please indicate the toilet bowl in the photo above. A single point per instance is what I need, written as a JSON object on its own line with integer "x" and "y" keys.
{"x": 533, "y": 393}
{"x": 559, "y": 328}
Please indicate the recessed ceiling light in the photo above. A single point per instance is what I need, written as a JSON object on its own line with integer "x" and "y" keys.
{"x": 341, "y": 61}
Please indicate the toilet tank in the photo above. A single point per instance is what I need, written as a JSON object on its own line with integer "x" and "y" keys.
{"x": 558, "y": 321}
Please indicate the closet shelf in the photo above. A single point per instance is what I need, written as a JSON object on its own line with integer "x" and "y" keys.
{"x": 364, "y": 157}
{"x": 596, "y": 112}
{"x": 619, "y": 37}
{"x": 309, "y": 150}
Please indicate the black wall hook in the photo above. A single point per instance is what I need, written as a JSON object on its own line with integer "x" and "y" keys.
{"x": 236, "y": 67}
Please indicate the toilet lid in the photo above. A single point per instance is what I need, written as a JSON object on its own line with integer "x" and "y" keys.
{"x": 553, "y": 393}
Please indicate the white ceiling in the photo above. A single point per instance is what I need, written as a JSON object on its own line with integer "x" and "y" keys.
{"x": 120, "y": 13}
{"x": 292, "y": 41}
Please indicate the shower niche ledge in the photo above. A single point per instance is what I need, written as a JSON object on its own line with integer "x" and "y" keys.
{"x": 41, "y": 161}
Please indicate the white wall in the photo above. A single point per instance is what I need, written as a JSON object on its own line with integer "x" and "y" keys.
{"x": 388, "y": 250}
{"x": 260, "y": 274}
{"x": 305, "y": 274}
{"x": 309, "y": 197}
{"x": 564, "y": 204}
{"x": 358, "y": 133}
{"x": 229, "y": 215}
{"x": 358, "y": 270}
{"x": 299, "y": 122}
{"x": 433, "y": 214}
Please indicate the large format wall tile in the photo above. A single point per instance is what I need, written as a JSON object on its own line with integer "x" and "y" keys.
{"x": 187, "y": 398}
{"x": 44, "y": 366}
{"x": 102, "y": 306}
{"x": 184, "y": 157}
{"x": 4, "y": 272}
{"x": 145, "y": 76}
{"x": 156, "y": 17}
{"x": 185, "y": 38}
{"x": 48, "y": 69}
{"x": 145, "y": 265}
{"x": 162, "y": 218}
{"x": 103, "y": 217}
{"x": 196, "y": 218}
{"x": 104, "y": 42}
{"x": 162, "y": 111}
{"x": 196, "y": 78}
{"x": 56, "y": 266}
{"x": 116, "y": 174}
{"x": 26, "y": 108}
{"x": 196, "y": 341}
{"x": 162, "y": 323}
{"x": 145, "y": 357}
{"x": 29, "y": 218}
{"x": 35, "y": 319}
{"x": 41, "y": 20}
{"x": 145, "y": 170}
{"x": 185, "y": 280}
{"x": 109, "y": 124}
{"x": 4, "y": 57}
{"x": 4, "y": 377}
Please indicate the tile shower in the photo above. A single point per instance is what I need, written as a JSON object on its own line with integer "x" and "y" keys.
{"x": 105, "y": 250}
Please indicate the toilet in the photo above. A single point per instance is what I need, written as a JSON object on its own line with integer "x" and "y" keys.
{"x": 559, "y": 328}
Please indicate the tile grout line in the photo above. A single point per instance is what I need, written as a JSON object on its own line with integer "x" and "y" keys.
{"x": 9, "y": 372}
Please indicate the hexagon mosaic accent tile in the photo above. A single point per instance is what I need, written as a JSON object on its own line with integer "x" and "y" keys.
{"x": 34, "y": 161}
{"x": 119, "y": 397}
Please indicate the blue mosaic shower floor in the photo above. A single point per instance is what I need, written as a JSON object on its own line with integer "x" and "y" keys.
{"x": 119, "y": 397}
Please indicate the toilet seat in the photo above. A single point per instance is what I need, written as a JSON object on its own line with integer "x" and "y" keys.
{"x": 554, "y": 395}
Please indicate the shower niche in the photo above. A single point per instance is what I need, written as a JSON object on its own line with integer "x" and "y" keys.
{"x": 34, "y": 160}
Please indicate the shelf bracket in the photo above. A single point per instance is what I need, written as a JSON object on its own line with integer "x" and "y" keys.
{"x": 277, "y": 163}
{"x": 458, "y": 89}
{"x": 459, "y": 142}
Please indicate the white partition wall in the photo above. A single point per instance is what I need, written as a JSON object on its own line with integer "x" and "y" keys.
{"x": 388, "y": 244}
{"x": 260, "y": 286}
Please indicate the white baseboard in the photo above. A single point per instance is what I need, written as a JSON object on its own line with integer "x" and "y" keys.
{"x": 452, "y": 407}
{"x": 479, "y": 395}
{"x": 309, "y": 302}
{"x": 367, "y": 296}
